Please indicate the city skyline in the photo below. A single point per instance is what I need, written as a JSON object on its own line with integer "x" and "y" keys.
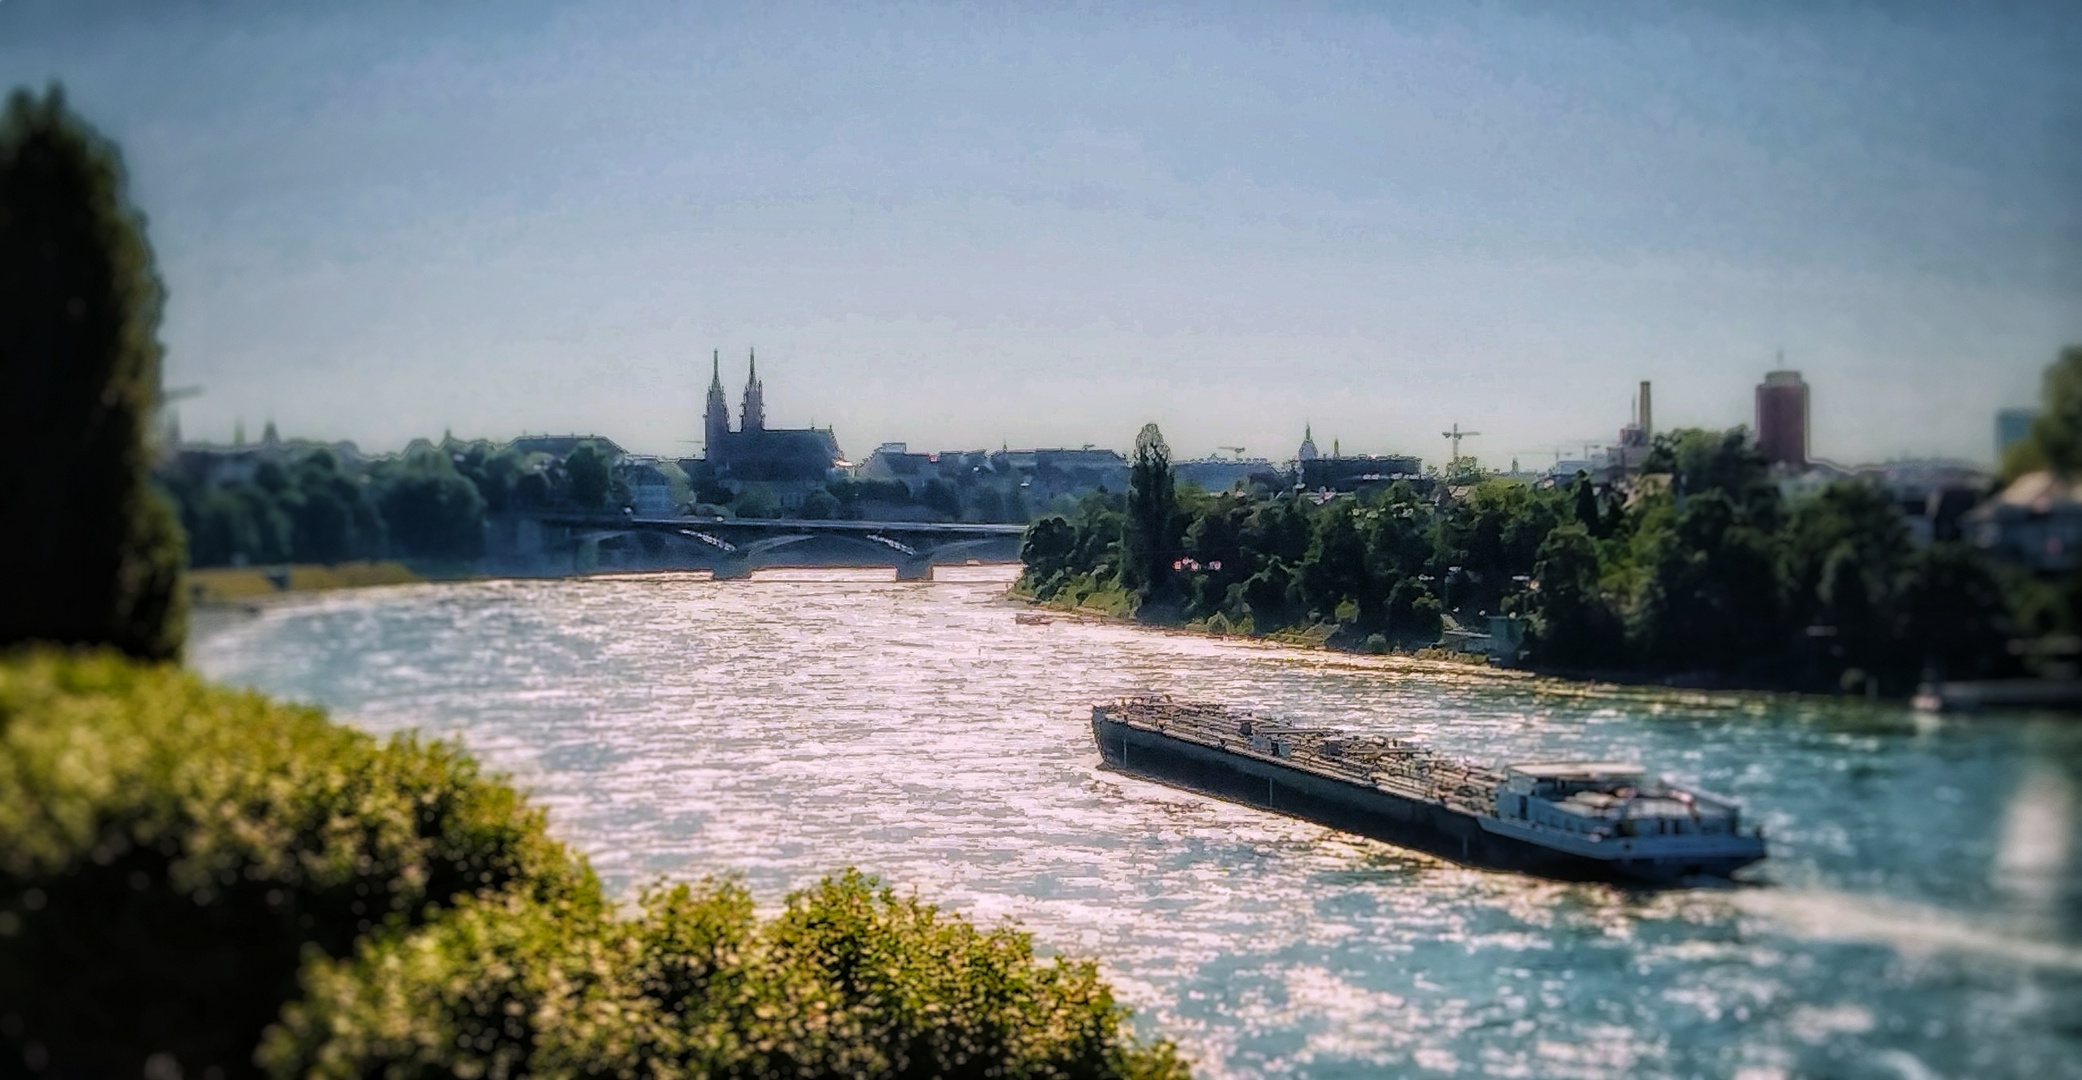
{"x": 1049, "y": 228}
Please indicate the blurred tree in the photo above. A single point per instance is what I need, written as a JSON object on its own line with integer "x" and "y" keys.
{"x": 2057, "y": 433}
{"x": 819, "y": 506}
{"x": 430, "y": 510}
{"x": 590, "y": 474}
{"x": 95, "y": 552}
{"x": 1572, "y": 624}
{"x": 941, "y": 497}
{"x": 1151, "y": 533}
{"x": 755, "y": 501}
{"x": 1046, "y": 552}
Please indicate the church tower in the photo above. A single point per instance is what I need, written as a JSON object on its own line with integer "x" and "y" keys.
{"x": 716, "y": 422}
{"x": 754, "y": 415}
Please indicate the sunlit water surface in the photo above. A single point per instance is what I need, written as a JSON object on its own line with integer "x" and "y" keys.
{"x": 1921, "y": 914}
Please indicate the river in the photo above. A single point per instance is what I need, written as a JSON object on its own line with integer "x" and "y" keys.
{"x": 1920, "y": 915}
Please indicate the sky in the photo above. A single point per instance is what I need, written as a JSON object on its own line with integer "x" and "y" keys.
{"x": 970, "y": 226}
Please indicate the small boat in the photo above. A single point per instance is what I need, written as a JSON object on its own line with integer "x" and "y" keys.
{"x": 1570, "y": 820}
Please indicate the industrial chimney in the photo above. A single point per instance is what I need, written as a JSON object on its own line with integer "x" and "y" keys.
{"x": 1647, "y": 425}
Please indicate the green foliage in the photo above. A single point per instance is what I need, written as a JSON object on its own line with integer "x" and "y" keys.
{"x": 1573, "y": 623}
{"x": 1045, "y": 554}
{"x": 853, "y": 493}
{"x": 590, "y": 472}
{"x": 1708, "y": 573}
{"x": 819, "y": 506}
{"x": 849, "y": 980}
{"x": 96, "y": 554}
{"x": 430, "y": 510}
{"x": 195, "y": 873}
{"x": 941, "y": 497}
{"x": 2057, "y": 433}
{"x": 755, "y": 500}
{"x": 1152, "y": 529}
{"x": 168, "y": 851}
{"x": 1724, "y": 461}
{"x": 1711, "y": 598}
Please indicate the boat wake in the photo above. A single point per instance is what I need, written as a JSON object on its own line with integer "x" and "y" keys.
{"x": 1913, "y": 930}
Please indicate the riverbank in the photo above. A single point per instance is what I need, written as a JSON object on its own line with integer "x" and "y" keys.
{"x": 1113, "y": 605}
{"x": 237, "y": 584}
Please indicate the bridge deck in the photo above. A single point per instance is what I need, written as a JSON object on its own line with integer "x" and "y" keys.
{"x": 938, "y": 528}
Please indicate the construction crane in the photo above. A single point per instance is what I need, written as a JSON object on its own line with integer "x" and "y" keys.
{"x": 1237, "y": 450}
{"x": 1454, "y": 436}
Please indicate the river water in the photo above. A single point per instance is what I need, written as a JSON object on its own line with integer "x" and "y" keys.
{"x": 1921, "y": 914}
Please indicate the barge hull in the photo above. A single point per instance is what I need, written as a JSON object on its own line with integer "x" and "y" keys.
{"x": 1367, "y": 811}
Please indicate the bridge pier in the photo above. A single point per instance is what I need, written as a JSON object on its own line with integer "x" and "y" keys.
{"x": 733, "y": 569}
{"x": 915, "y": 569}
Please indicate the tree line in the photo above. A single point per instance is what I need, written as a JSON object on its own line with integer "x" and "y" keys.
{"x": 1706, "y": 569}
{"x": 304, "y": 505}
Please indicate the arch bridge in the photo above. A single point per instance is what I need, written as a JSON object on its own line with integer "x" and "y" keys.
{"x": 735, "y": 547}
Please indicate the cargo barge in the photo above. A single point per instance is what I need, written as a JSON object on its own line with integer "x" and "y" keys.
{"x": 1570, "y": 820}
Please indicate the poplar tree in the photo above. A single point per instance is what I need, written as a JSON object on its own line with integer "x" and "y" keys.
{"x": 92, "y": 553}
{"x": 1150, "y": 535}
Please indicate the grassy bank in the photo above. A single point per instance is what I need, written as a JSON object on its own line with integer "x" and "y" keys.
{"x": 201, "y": 882}
{"x": 234, "y": 584}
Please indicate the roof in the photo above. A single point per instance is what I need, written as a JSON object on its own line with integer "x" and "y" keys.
{"x": 562, "y": 445}
{"x": 2033, "y": 493}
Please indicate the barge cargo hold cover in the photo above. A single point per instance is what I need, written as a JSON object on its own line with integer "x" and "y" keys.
{"x": 1566, "y": 820}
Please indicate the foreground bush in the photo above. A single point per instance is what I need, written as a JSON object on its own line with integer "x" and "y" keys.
{"x": 197, "y": 878}
{"x": 168, "y": 851}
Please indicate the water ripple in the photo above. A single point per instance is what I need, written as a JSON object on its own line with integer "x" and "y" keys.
{"x": 1921, "y": 914}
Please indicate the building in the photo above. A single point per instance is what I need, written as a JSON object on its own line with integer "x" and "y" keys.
{"x": 650, "y": 490}
{"x": 1356, "y": 472}
{"x": 561, "y": 446}
{"x": 1222, "y": 474}
{"x": 1044, "y": 473}
{"x": 793, "y": 460}
{"x": 1782, "y": 419}
{"x": 2012, "y": 426}
{"x": 1308, "y": 444}
{"x": 2036, "y": 521}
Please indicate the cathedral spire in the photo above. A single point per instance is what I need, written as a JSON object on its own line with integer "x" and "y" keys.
{"x": 716, "y": 419}
{"x": 754, "y": 413}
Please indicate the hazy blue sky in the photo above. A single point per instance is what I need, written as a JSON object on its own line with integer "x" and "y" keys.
{"x": 971, "y": 225}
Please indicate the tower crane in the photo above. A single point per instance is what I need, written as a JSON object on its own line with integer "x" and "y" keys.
{"x": 1454, "y": 436}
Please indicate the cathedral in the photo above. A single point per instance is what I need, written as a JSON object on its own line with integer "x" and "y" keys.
{"x": 755, "y": 452}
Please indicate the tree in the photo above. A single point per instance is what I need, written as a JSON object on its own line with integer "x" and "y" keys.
{"x": 1711, "y": 599}
{"x": 1046, "y": 552}
{"x": 941, "y": 497}
{"x": 1583, "y": 506}
{"x": 433, "y": 513}
{"x": 95, "y": 552}
{"x": 1150, "y": 535}
{"x": 2058, "y": 431}
{"x": 819, "y": 505}
{"x": 332, "y": 517}
{"x": 1335, "y": 569}
{"x": 1572, "y": 623}
{"x": 755, "y": 501}
{"x": 1954, "y": 615}
{"x": 1724, "y": 461}
{"x": 590, "y": 474}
